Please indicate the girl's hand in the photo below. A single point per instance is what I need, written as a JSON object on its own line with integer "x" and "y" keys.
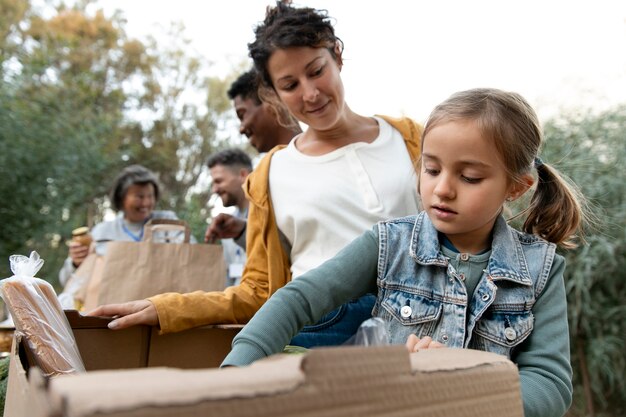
{"x": 415, "y": 344}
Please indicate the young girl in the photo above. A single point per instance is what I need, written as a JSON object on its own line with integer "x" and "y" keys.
{"x": 456, "y": 274}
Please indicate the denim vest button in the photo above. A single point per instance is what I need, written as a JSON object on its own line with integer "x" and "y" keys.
{"x": 510, "y": 333}
{"x": 485, "y": 297}
{"x": 464, "y": 256}
{"x": 444, "y": 338}
{"x": 462, "y": 276}
{"x": 405, "y": 312}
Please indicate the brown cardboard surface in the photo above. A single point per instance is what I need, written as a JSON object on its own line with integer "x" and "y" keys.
{"x": 102, "y": 348}
{"x": 204, "y": 347}
{"x": 141, "y": 346}
{"x": 167, "y": 387}
{"x": 25, "y": 396}
{"x": 344, "y": 381}
{"x": 17, "y": 386}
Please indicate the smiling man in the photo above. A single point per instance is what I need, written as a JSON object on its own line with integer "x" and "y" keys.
{"x": 259, "y": 121}
{"x": 229, "y": 169}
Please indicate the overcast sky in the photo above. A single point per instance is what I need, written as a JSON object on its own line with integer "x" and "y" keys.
{"x": 402, "y": 57}
{"x": 405, "y": 56}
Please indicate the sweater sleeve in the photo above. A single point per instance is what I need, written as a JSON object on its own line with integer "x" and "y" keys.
{"x": 544, "y": 358}
{"x": 350, "y": 274}
{"x": 66, "y": 271}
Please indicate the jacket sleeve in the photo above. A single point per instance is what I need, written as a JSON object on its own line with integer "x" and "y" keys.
{"x": 66, "y": 271}
{"x": 266, "y": 270}
{"x": 544, "y": 358}
{"x": 234, "y": 305}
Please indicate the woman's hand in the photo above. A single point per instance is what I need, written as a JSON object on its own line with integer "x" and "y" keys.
{"x": 77, "y": 253}
{"x": 128, "y": 314}
{"x": 415, "y": 344}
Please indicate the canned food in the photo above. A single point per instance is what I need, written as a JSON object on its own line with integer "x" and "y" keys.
{"x": 81, "y": 235}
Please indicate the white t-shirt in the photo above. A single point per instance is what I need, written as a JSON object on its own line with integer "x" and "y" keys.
{"x": 234, "y": 255}
{"x": 324, "y": 202}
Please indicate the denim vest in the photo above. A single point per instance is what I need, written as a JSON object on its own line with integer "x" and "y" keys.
{"x": 421, "y": 293}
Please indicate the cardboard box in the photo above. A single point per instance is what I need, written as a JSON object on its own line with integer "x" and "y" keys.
{"x": 105, "y": 349}
{"x": 142, "y": 346}
{"x": 343, "y": 381}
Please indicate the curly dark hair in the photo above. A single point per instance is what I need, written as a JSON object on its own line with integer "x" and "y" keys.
{"x": 286, "y": 26}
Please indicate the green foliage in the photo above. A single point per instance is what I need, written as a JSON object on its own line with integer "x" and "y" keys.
{"x": 589, "y": 148}
{"x": 4, "y": 379}
{"x": 177, "y": 135}
{"x": 49, "y": 163}
{"x": 79, "y": 100}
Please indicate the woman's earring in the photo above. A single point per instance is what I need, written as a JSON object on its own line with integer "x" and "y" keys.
{"x": 509, "y": 199}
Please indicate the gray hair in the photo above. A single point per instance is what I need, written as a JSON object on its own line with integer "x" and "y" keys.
{"x": 131, "y": 175}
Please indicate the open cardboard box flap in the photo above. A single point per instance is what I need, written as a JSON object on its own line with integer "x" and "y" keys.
{"x": 135, "y": 372}
{"x": 105, "y": 349}
{"x": 343, "y": 381}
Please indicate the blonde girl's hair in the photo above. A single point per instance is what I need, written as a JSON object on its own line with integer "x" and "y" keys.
{"x": 556, "y": 210}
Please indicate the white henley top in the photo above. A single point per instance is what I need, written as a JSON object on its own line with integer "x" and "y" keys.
{"x": 340, "y": 194}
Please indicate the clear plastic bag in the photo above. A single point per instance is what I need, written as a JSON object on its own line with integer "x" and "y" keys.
{"x": 39, "y": 317}
{"x": 372, "y": 332}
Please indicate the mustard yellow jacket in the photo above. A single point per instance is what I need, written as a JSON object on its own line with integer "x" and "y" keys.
{"x": 267, "y": 267}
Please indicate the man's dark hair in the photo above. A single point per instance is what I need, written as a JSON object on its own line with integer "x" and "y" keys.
{"x": 231, "y": 158}
{"x": 245, "y": 86}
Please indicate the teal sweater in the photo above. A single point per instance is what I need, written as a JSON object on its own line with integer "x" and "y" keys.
{"x": 545, "y": 374}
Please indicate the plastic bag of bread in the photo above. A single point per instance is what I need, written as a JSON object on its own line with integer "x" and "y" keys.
{"x": 39, "y": 317}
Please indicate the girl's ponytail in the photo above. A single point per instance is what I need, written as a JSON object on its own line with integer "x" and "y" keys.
{"x": 555, "y": 212}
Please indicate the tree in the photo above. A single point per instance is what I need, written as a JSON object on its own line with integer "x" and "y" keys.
{"x": 590, "y": 149}
{"x": 79, "y": 100}
{"x": 182, "y": 117}
{"x": 55, "y": 111}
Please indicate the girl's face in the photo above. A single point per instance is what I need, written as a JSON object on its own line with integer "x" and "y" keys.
{"x": 138, "y": 202}
{"x": 463, "y": 184}
{"x": 307, "y": 81}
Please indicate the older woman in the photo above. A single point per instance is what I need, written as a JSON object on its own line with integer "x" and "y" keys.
{"x": 134, "y": 195}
